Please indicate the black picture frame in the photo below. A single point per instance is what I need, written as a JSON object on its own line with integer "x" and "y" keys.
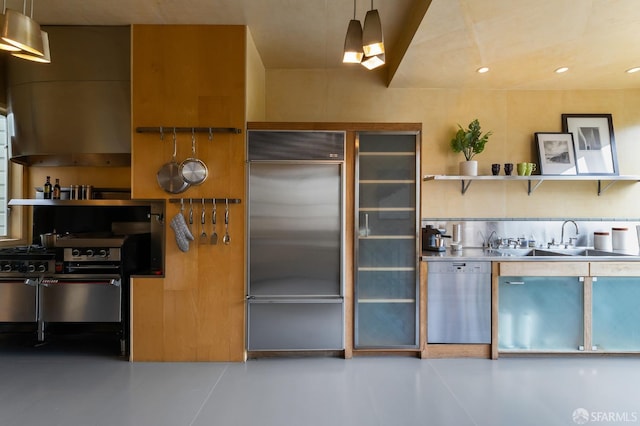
{"x": 594, "y": 143}
{"x": 556, "y": 153}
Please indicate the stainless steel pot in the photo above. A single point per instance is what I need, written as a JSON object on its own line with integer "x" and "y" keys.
{"x": 48, "y": 240}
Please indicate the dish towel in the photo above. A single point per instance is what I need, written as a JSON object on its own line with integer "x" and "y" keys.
{"x": 183, "y": 235}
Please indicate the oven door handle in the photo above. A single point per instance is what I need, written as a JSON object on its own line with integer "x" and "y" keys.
{"x": 48, "y": 282}
{"x": 31, "y": 281}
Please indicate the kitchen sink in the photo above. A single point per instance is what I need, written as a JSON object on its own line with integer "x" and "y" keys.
{"x": 520, "y": 252}
{"x": 555, "y": 252}
{"x": 582, "y": 251}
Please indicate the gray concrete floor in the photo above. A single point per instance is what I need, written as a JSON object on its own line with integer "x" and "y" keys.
{"x": 94, "y": 387}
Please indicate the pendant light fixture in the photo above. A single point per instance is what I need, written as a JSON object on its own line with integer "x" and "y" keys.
{"x": 22, "y": 31}
{"x": 372, "y": 62}
{"x": 353, "y": 53}
{"x": 372, "y": 39}
{"x": 3, "y": 44}
{"x": 44, "y": 59}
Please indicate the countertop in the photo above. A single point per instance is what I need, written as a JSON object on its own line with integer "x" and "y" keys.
{"x": 491, "y": 255}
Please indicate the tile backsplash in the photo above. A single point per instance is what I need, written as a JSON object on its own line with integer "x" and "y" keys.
{"x": 475, "y": 232}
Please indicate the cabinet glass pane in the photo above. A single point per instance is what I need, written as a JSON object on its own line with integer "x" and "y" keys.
{"x": 370, "y": 142}
{"x": 544, "y": 313}
{"x": 375, "y": 222}
{"x": 615, "y": 314}
{"x": 392, "y": 167}
{"x": 386, "y": 253}
{"x": 387, "y": 195}
{"x": 387, "y": 223}
{"x": 386, "y": 324}
{"x": 386, "y": 285}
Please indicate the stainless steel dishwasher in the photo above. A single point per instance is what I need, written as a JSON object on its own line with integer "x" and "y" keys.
{"x": 459, "y": 302}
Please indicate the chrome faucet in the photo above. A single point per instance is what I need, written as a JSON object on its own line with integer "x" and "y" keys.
{"x": 566, "y": 245}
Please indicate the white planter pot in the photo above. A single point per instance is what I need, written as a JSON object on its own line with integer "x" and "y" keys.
{"x": 469, "y": 168}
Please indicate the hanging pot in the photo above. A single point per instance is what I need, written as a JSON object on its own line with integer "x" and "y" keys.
{"x": 193, "y": 170}
{"x": 169, "y": 176}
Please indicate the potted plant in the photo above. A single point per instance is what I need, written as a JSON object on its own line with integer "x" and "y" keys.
{"x": 470, "y": 142}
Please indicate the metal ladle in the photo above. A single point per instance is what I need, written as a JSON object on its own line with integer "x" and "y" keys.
{"x": 226, "y": 239}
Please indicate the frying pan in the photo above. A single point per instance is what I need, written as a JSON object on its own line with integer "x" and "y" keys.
{"x": 169, "y": 176}
{"x": 193, "y": 170}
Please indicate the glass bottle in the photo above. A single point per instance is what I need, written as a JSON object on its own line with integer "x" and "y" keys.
{"x": 47, "y": 188}
{"x": 56, "y": 190}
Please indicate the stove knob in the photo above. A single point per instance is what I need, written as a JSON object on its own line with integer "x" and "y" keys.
{"x": 31, "y": 267}
{"x": 90, "y": 253}
{"x": 21, "y": 267}
{"x": 42, "y": 267}
{"x": 7, "y": 267}
{"x": 75, "y": 253}
{"x": 103, "y": 253}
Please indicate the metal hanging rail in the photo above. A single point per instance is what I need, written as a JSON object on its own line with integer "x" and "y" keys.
{"x": 205, "y": 200}
{"x": 171, "y": 129}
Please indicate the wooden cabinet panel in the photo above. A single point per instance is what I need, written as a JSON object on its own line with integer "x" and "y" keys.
{"x": 544, "y": 269}
{"x": 184, "y": 76}
{"x": 615, "y": 269}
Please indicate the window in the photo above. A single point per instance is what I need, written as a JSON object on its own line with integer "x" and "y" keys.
{"x": 4, "y": 177}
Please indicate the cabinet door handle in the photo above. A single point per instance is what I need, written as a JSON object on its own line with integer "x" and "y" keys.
{"x": 366, "y": 224}
{"x": 515, "y": 282}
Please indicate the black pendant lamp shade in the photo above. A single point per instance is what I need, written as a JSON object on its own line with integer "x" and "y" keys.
{"x": 372, "y": 39}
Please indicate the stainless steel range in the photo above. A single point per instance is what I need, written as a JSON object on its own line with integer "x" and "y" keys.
{"x": 20, "y": 271}
{"x": 78, "y": 282}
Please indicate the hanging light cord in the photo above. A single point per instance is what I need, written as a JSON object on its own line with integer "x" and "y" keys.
{"x": 354, "y": 9}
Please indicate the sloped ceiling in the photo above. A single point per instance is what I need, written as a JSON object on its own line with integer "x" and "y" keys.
{"x": 430, "y": 43}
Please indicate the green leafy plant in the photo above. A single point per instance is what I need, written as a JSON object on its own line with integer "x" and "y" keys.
{"x": 470, "y": 141}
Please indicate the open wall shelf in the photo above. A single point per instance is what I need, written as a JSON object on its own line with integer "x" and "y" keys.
{"x": 534, "y": 181}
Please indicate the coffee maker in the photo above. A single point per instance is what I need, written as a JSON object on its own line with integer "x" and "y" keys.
{"x": 433, "y": 238}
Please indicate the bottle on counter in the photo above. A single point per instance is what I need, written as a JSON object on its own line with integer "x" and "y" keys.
{"x": 56, "y": 190}
{"x": 47, "y": 189}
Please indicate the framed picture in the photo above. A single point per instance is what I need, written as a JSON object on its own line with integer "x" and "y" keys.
{"x": 594, "y": 143}
{"x": 556, "y": 153}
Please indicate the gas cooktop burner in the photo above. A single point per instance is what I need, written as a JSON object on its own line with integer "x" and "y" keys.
{"x": 27, "y": 252}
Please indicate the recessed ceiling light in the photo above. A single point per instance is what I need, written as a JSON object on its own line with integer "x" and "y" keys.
{"x": 632, "y": 70}
{"x": 482, "y": 70}
{"x": 561, "y": 70}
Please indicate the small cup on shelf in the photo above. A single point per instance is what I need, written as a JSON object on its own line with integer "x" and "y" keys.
{"x": 495, "y": 169}
{"x": 508, "y": 168}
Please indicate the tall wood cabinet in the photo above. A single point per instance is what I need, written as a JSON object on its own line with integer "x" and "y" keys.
{"x": 386, "y": 243}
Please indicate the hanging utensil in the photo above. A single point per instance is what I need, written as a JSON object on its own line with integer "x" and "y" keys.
{"x": 203, "y": 234}
{"x": 193, "y": 170}
{"x": 191, "y": 215}
{"x": 169, "y": 176}
{"x": 214, "y": 235}
{"x": 226, "y": 239}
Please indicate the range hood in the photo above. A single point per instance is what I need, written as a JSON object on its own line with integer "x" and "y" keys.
{"x": 75, "y": 111}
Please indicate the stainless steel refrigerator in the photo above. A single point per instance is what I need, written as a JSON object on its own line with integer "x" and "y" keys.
{"x": 296, "y": 215}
